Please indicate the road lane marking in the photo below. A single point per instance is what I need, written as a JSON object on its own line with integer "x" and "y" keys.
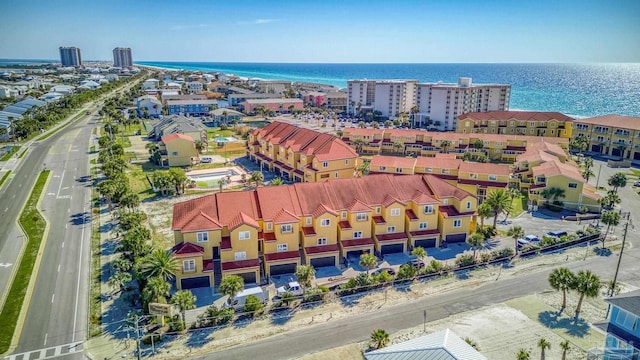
{"x": 53, "y": 297}
{"x": 45, "y": 339}
{"x": 66, "y": 226}
{"x": 61, "y": 178}
{"x": 41, "y": 354}
{"x": 69, "y": 210}
{"x": 63, "y": 244}
{"x": 5, "y": 210}
{"x": 75, "y": 314}
{"x": 58, "y": 267}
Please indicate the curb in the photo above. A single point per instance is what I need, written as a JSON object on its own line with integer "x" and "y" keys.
{"x": 23, "y": 311}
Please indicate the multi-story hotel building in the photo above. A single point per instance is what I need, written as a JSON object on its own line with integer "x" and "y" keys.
{"x": 271, "y": 230}
{"x": 393, "y": 97}
{"x": 611, "y": 135}
{"x": 440, "y": 103}
{"x": 70, "y": 56}
{"x": 300, "y": 154}
{"x": 122, "y": 57}
{"x": 532, "y": 123}
{"x": 361, "y": 95}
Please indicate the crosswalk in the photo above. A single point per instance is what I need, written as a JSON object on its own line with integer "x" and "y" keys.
{"x": 48, "y": 353}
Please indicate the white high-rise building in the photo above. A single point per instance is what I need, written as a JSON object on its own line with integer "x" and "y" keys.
{"x": 70, "y": 56}
{"x": 389, "y": 97}
{"x": 122, "y": 57}
{"x": 440, "y": 104}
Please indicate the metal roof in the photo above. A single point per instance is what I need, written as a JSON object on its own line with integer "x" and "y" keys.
{"x": 628, "y": 301}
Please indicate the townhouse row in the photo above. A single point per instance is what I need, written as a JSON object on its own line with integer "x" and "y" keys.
{"x": 532, "y": 123}
{"x": 610, "y": 135}
{"x": 271, "y": 230}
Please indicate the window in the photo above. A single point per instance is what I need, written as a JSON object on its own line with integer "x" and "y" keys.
{"x": 203, "y": 236}
{"x": 626, "y": 319}
{"x": 395, "y": 212}
{"x": 445, "y": 201}
{"x": 468, "y": 205}
{"x": 423, "y": 226}
{"x": 282, "y": 247}
{"x": 243, "y": 235}
{"x": 346, "y": 161}
{"x": 399, "y": 170}
{"x": 325, "y": 164}
{"x": 344, "y": 214}
{"x": 457, "y": 223}
{"x": 473, "y": 176}
{"x": 361, "y": 216}
{"x": 286, "y": 228}
{"x": 322, "y": 241}
{"x": 240, "y": 255}
{"x": 391, "y": 229}
{"x": 541, "y": 179}
{"x": 269, "y": 226}
{"x": 325, "y": 222}
{"x": 429, "y": 170}
{"x": 357, "y": 234}
{"x": 308, "y": 220}
{"x": 336, "y": 175}
{"x": 493, "y": 177}
{"x": 382, "y": 168}
{"x": 174, "y": 153}
{"x": 428, "y": 209}
{"x": 573, "y": 185}
{"x": 189, "y": 265}
{"x": 378, "y": 210}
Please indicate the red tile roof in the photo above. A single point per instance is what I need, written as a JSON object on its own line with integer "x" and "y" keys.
{"x": 187, "y": 249}
{"x": 443, "y": 189}
{"x": 344, "y": 225}
{"x": 391, "y": 237}
{"x": 420, "y": 233}
{"x": 484, "y": 168}
{"x": 308, "y": 231}
{"x": 392, "y": 161}
{"x": 268, "y": 237}
{"x": 356, "y": 242}
{"x": 555, "y": 168}
{"x": 175, "y": 136}
{"x": 284, "y": 255}
{"x": 322, "y": 208}
{"x": 613, "y": 120}
{"x": 321, "y": 249}
{"x": 240, "y": 264}
{"x": 357, "y": 205}
{"x": 200, "y": 222}
{"x": 242, "y": 219}
{"x": 379, "y": 220}
{"x": 515, "y": 115}
{"x": 411, "y": 215}
{"x": 207, "y": 265}
{"x": 284, "y": 217}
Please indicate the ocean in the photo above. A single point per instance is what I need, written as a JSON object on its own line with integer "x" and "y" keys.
{"x": 580, "y": 90}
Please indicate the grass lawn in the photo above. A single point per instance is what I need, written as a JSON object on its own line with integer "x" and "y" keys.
{"x": 4, "y": 177}
{"x": 211, "y": 133}
{"x": 518, "y": 205}
{"x": 137, "y": 179}
{"x": 124, "y": 141}
{"x": 132, "y": 129}
{"x": 33, "y": 224}
{"x": 7, "y": 156}
{"x": 22, "y": 153}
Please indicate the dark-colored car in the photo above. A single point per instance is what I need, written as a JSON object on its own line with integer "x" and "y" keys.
{"x": 557, "y": 233}
{"x": 417, "y": 263}
{"x": 389, "y": 271}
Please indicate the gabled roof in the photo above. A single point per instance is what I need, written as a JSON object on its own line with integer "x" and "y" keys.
{"x": 199, "y": 222}
{"x": 322, "y": 208}
{"x": 357, "y": 205}
{"x": 392, "y": 161}
{"x": 628, "y": 302}
{"x": 443, "y": 189}
{"x": 187, "y": 249}
{"x": 441, "y": 345}
{"x": 175, "y": 136}
{"x": 242, "y": 219}
{"x": 555, "y": 168}
{"x": 285, "y": 216}
{"x": 516, "y": 115}
{"x": 613, "y": 120}
{"x": 485, "y": 168}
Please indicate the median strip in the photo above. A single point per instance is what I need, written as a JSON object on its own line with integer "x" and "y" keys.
{"x": 34, "y": 226}
{"x": 4, "y": 178}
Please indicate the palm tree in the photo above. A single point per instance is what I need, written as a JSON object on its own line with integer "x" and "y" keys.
{"x": 221, "y": 183}
{"x": 277, "y": 181}
{"x": 500, "y": 202}
{"x": 445, "y": 144}
{"x": 587, "y": 162}
{"x": 184, "y": 300}
{"x": 586, "y": 284}
{"x": 364, "y": 167}
{"x": 200, "y": 146}
{"x": 587, "y": 173}
{"x": 231, "y": 285}
{"x": 368, "y": 261}
{"x": 609, "y": 218}
{"x": 120, "y": 280}
{"x": 543, "y": 344}
{"x": 379, "y": 338}
{"x": 514, "y": 193}
{"x": 358, "y": 144}
{"x": 399, "y": 145}
{"x": 523, "y": 354}
{"x": 617, "y": 180}
{"x": 516, "y": 232}
{"x": 362, "y": 125}
{"x": 160, "y": 263}
{"x": 553, "y": 193}
{"x": 476, "y": 241}
{"x": 610, "y": 200}
{"x": 578, "y": 144}
{"x": 562, "y": 279}
{"x": 419, "y": 252}
{"x": 414, "y": 110}
{"x": 375, "y": 125}
{"x": 156, "y": 290}
{"x": 484, "y": 211}
{"x": 257, "y": 177}
{"x": 565, "y": 345}
{"x": 304, "y": 274}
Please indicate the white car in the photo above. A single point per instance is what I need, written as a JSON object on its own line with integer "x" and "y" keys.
{"x": 293, "y": 288}
{"x": 206, "y": 159}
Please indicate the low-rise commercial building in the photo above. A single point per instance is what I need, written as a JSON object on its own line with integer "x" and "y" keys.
{"x": 282, "y": 105}
{"x": 532, "y": 123}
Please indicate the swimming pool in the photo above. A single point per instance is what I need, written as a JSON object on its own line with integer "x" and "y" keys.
{"x": 226, "y": 139}
{"x": 213, "y": 175}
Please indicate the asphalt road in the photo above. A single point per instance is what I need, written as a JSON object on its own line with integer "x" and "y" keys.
{"x": 358, "y": 328}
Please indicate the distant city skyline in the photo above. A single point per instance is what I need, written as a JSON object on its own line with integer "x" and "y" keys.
{"x": 332, "y": 31}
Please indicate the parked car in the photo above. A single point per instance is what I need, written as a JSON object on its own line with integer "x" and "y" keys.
{"x": 206, "y": 159}
{"x": 557, "y": 233}
{"x": 636, "y": 183}
{"x": 237, "y": 302}
{"x": 532, "y": 238}
{"x": 389, "y": 271}
{"x": 417, "y": 263}
{"x": 523, "y": 242}
{"x": 293, "y": 288}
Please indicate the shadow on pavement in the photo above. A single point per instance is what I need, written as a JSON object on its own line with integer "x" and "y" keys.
{"x": 553, "y": 320}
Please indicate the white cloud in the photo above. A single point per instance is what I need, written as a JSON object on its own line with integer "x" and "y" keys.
{"x": 188, "y": 27}
{"x": 258, "y": 22}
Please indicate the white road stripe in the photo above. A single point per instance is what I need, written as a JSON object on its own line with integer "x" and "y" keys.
{"x": 58, "y": 267}
{"x": 75, "y": 315}
{"x": 45, "y": 339}
{"x": 63, "y": 244}
{"x": 53, "y": 297}
{"x": 60, "y": 186}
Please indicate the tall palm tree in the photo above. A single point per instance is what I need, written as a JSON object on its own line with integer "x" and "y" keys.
{"x": 156, "y": 290}
{"x": 368, "y": 261}
{"x": 500, "y": 202}
{"x": 379, "y": 338}
{"x": 221, "y": 183}
{"x": 587, "y": 173}
{"x": 231, "y": 285}
{"x": 445, "y": 144}
{"x": 513, "y": 193}
{"x": 609, "y": 218}
{"x": 358, "y": 144}
{"x": 543, "y": 344}
{"x": 516, "y": 232}
{"x": 523, "y": 354}
{"x": 184, "y": 300}
{"x": 562, "y": 279}
{"x": 160, "y": 263}
{"x": 617, "y": 180}
{"x": 586, "y": 284}
{"x": 484, "y": 211}
{"x": 476, "y": 241}
{"x": 257, "y": 177}
{"x": 399, "y": 145}
{"x": 565, "y": 345}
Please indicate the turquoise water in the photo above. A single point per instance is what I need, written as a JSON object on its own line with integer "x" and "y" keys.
{"x": 574, "y": 89}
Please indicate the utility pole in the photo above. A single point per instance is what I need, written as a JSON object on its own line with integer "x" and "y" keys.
{"x": 624, "y": 239}
{"x": 598, "y": 178}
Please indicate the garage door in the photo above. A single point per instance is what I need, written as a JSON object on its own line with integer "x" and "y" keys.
{"x": 323, "y": 261}
{"x": 425, "y": 243}
{"x": 456, "y": 238}
{"x": 394, "y": 248}
{"x": 249, "y": 278}
{"x": 196, "y": 282}
{"x": 636, "y": 156}
{"x": 282, "y": 269}
{"x": 596, "y": 148}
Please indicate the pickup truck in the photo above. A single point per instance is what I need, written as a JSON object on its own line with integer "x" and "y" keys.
{"x": 293, "y": 288}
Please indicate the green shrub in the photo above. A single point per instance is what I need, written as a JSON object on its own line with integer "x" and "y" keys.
{"x": 176, "y": 324}
{"x": 363, "y": 279}
{"x": 156, "y": 339}
{"x": 406, "y": 272}
{"x": 253, "y": 306}
{"x": 433, "y": 267}
{"x": 316, "y": 294}
{"x": 485, "y": 257}
{"x": 463, "y": 260}
{"x": 502, "y": 253}
{"x": 383, "y": 277}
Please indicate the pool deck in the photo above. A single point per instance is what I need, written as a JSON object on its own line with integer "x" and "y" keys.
{"x": 235, "y": 179}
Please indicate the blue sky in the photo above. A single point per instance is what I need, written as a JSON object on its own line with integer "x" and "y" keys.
{"x": 372, "y": 31}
